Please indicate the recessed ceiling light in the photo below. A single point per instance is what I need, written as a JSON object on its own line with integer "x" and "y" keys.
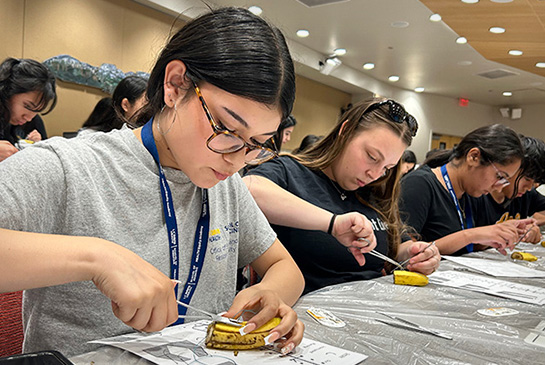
{"x": 515, "y": 52}
{"x": 507, "y": 93}
{"x": 461, "y": 40}
{"x": 464, "y": 63}
{"x": 303, "y": 33}
{"x": 340, "y": 51}
{"x": 502, "y": 1}
{"x": 369, "y": 66}
{"x": 400, "y": 24}
{"x": 435, "y": 18}
{"x": 255, "y": 10}
{"x": 419, "y": 89}
{"x": 496, "y": 30}
{"x": 470, "y": 1}
{"x": 540, "y": 64}
{"x": 393, "y": 78}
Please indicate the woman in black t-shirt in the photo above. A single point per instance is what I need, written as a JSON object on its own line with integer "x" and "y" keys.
{"x": 27, "y": 88}
{"x": 353, "y": 169}
{"x": 435, "y": 198}
{"x": 519, "y": 199}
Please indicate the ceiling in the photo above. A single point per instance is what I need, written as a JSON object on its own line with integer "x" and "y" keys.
{"x": 398, "y": 37}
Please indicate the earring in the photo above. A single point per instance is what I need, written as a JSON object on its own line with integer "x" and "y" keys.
{"x": 171, "y": 124}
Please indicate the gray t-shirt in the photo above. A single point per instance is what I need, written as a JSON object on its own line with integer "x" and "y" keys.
{"x": 107, "y": 186}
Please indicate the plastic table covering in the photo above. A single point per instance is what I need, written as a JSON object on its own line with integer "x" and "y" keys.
{"x": 477, "y": 339}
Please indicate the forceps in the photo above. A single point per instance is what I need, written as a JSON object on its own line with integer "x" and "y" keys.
{"x": 524, "y": 235}
{"x": 403, "y": 323}
{"x": 212, "y": 316}
{"x": 404, "y": 262}
{"x": 379, "y": 255}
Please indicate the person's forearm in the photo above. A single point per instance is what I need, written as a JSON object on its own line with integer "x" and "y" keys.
{"x": 284, "y": 208}
{"x": 32, "y": 260}
{"x": 540, "y": 218}
{"x": 453, "y": 242}
{"x": 285, "y": 279}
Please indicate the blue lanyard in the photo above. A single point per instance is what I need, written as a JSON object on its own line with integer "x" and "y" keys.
{"x": 469, "y": 217}
{"x": 201, "y": 234}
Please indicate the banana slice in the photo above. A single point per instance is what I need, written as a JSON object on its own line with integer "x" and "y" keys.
{"x": 523, "y": 256}
{"x": 410, "y": 278}
{"x": 227, "y": 337}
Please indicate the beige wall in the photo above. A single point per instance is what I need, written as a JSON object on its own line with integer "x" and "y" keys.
{"x": 317, "y": 108}
{"x": 93, "y": 31}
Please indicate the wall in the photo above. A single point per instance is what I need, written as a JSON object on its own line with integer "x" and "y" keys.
{"x": 317, "y": 109}
{"x": 93, "y": 31}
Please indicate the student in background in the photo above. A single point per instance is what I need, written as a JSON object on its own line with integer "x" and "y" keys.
{"x": 435, "y": 198}
{"x": 285, "y": 129}
{"x": 518, "y": 199}
{"x": 342, "y": 188}
{"x": 27, "y": 88}
{"x": 129, "y": 96}
{"x": 408, "y": 162}
{"x": 168, "y": 187}
{"x": 103, "y": 118}
{"x": 306, "y": 142}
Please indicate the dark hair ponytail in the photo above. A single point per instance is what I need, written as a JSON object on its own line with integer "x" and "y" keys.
{"x": 130, "y": 88}
{"x": 234, "y": 50}
{"x": 19, "y": 76}
{"x": 497, "y": 143}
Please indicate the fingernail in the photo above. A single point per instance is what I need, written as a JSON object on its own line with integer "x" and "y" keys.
{"x": 247, "y": 329}
{"x": 287, "y": 349}
{"x": 271, "y": 338}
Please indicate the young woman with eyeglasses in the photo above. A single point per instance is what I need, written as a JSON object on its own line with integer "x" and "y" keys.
{"x": 27, "y": 88}
{"x": 169, "y": 192}
{"x": 518, "y": 199}
{"x": 343, "y": 188}
{"x": 435, "y": 198}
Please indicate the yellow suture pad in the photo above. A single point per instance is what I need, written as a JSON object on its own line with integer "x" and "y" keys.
{"x": 410, "y": 278}
{"x": 523, "y": 256}
{"x": 227, "y": 337}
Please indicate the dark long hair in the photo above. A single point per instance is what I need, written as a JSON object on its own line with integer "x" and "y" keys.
{"x": 130, "y": 88}
{"x": 497, "y": 143}
{"x": 19, "y": 76}
{"x": 234, "y": 50}
{"x": 385, "y": 190}
{"x": 290, "y": 121}
{"x": 103, "y": 118}
{"x": 533, "y": 163}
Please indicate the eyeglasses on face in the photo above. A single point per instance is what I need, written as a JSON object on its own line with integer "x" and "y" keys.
{"x": 397, "y": 113}
{"x": 225, "y": 141}
{"x": 500, "y": 177}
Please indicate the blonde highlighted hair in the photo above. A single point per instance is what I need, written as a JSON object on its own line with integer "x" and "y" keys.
{"x": 384, "y": 191}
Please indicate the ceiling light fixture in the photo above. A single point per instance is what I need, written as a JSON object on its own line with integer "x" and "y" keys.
{"x": 329, "y": 65}
{"x": 507, "y": 93}
{"x": 435, "y": 18}
{"x": 393, "y": 78}
{"x": 515, "y": 52}
{"x": 302, "y": 33}
{"x": 256, "y": 10}
{"x": 470, "y": 1}
{"x": 368, "y": 66}
{"x": 340, "y": 51}
{"x": 461, "y": 40}
{"x": 419, "y": 89}
{"x": 502, "y": 1}
{"x": 540, "y": 64}
{"x": 497, "y": 30}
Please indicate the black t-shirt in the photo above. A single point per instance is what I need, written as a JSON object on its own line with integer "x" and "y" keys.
{"x": 322, "y": 259}
{"x": 488, "y": 211}
{"x": 14, "y": 133}
{"x": 427, "y": 206}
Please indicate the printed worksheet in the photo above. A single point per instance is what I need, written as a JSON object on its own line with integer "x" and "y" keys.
{"x": 521, "y": 292}
{"x": 184, "y": 344}
{"x": 503, "y": 268}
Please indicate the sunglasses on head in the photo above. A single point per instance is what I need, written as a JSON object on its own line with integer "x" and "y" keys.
{"x": 397, "y": 113}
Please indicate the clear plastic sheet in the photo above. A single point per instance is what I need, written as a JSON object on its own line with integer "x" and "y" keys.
{"x": 477, "y": 339}
{"x": 105, "y": 77}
